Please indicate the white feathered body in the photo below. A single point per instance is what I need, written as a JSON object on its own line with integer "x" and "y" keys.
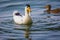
{"x": 22, "y": 19}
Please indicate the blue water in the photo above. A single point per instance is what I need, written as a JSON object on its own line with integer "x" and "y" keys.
{"x": 43, "y": 28}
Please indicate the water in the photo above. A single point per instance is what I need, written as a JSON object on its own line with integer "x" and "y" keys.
{"x": 43, "y": 28}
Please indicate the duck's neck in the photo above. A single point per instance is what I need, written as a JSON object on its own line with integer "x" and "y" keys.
{"x": 26, "y": 13}
{"x": 48, "y": 10}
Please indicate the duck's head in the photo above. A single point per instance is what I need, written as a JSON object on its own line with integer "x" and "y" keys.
{"x": 48, "y": 6}
{"x": 27, "y": 8}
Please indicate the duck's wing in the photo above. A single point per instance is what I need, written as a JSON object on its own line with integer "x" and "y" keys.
{"x": 20, "y": 17}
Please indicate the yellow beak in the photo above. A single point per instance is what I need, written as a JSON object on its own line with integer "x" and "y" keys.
{"x": 28, "y": 9}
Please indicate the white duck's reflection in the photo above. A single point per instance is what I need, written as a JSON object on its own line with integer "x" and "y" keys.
{"x": 27, "y": 32}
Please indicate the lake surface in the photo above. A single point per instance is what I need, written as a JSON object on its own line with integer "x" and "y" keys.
{"x": 43, "y": 28}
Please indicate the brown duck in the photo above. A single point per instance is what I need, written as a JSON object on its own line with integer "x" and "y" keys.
{"x": 55, "y": 11}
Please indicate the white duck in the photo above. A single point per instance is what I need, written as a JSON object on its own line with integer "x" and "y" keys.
{"x": 20, "y": 19}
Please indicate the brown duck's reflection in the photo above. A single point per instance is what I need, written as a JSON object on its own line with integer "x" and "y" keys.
{"x": 27, "y": 31}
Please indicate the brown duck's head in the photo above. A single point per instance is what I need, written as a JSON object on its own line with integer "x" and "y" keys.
{"x": 48, "y": 7}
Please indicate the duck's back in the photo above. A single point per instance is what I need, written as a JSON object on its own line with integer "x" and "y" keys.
{"x": 55, "y": 10}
